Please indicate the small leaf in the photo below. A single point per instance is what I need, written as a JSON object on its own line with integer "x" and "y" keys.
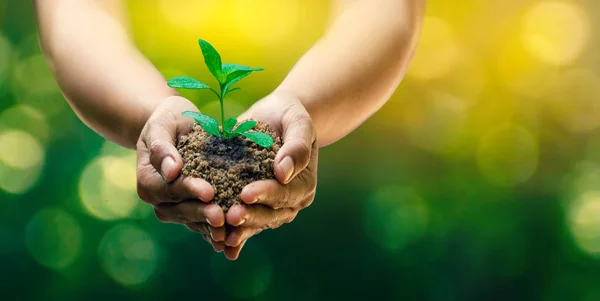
{"x": 234, "y": 73}
{"x": 262, "y": 139}
{"x": 229, "y": 124}
{"x": 246, "y": 126}
{"x": 207, "y": 123}
{"x": 239, "y": 77}
{"x": 234, "y": 89}
{"x": 184, "y": 82}
{"x": 232, "y": 70}
{"x": 212, "y": 59}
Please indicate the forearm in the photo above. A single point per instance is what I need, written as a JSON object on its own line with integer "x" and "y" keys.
{"x": 110, "y": 85}
{"x": 355, "y": 68}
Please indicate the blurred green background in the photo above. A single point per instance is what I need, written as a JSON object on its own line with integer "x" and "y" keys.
{"x": 479, "y": 180}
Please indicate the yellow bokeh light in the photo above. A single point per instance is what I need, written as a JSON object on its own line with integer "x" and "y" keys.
{"x": 21, "y": 161}
{"x": 128, "y": 254}
{"x": 107, "y": 187}
{"x": 575, "y": 100}
{"x": 249, "y": 276}
{"x": 584, "y": 222}
{"x": 524, "y": 74}
{"x": 20, "y": 150}
{"x": 265, "y": 22}
{"x": 6, "y": 56}
{"x": 395, "y": 217}
{"x": 508, "y": 155}
{"x": 27, "y": 119}
{"x": 54, "y": 238}
{"x": 438, "y": 52}
{"x": 556, "y": 32}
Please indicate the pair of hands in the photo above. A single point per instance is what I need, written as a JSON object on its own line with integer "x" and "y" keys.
{"x": 268, "y": 203}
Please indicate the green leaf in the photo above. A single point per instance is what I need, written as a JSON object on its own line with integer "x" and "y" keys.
{"x": 207, "y": 123}
{"x": 229, "y": 124}
{"x": 212, "y": 59}
{"x": 262, "y": 139}
{"x": 234, "y": 89}
{"x": 231, "y": 71}
{"x": 184, "y": 82}
{"x": 246, "y": 126}
{"x": 234, "y": 73}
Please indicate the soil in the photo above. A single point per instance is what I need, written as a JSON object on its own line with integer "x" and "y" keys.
{"x": 227, "y": 164}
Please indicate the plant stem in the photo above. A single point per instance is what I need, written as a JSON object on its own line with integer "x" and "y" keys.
{"x": 222, "y": 111}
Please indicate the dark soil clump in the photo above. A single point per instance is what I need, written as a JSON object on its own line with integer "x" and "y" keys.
{"x": 227, "y": 164}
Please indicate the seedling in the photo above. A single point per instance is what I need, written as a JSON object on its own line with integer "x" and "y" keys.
{"x": 226, "y": 75}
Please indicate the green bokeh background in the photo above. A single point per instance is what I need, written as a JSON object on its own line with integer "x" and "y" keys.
{"x": 477, "y": 181}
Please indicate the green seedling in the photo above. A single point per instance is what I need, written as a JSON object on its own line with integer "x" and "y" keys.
{"x": 226, "y": 75}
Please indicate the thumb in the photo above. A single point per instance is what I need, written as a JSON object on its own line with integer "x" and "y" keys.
{"x": 159, "y": 139}
{"x": 298, "y": 139}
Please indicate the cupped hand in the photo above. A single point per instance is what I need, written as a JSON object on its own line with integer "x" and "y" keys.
{"x": 176, "y": 199}
{"x": 271, "y": 203}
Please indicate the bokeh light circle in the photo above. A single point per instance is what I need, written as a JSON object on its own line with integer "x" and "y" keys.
{"x": 395, "y": 216}
{"x": 556, "y": 32}
{"x": 107, "y": 187}
{"x": 438, "y": 52}
{"x": 249, "y": 276}
{"x": 20, "y": 150}
{"x": 508, "y": 155}
{"x": 584, "y": 222}
{"x": 575, "y": 100}
{"x": 27, "y": 119}
{"x": 522, "y": 73}
{"x": 54, "y": 238}
{"x": 128, "y": 254}
{"x": 21, "y": 161}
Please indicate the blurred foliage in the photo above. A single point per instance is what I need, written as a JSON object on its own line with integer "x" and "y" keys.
{"x": 477, "y": 181}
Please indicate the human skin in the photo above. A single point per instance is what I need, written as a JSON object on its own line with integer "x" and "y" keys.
{"x": 347, "y": 76}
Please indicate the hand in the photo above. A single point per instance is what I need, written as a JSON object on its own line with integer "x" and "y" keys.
{"x": 272, "y": 203}
{"x": 175, "y": 199}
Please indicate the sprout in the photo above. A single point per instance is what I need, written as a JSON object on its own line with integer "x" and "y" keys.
{"x": 227, "y": 75}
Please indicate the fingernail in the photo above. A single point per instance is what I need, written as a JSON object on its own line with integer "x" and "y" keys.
{"x": 166, "y": 167}
{"x": 208, "y": 221}
{"x": 242, "y": 222}
{"x": 287, "y": 167}
{"x": 211, "y": 235}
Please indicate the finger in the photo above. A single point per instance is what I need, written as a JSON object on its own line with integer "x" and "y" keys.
{"x": 201, "y": 228}
{"x": 232, "y": 253}
{"x": 259, "y": 216}
{"x": 159, "y": 137}
{"x": 298, "y": 139}
{"x": 239, "y": 235}
{"x": 191, "y": 212}
{"x": 299, "y": 193}
{"x": 153, "y": 189}
{"x": 216, "y": 233}
{"x": 219, "y": 246}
